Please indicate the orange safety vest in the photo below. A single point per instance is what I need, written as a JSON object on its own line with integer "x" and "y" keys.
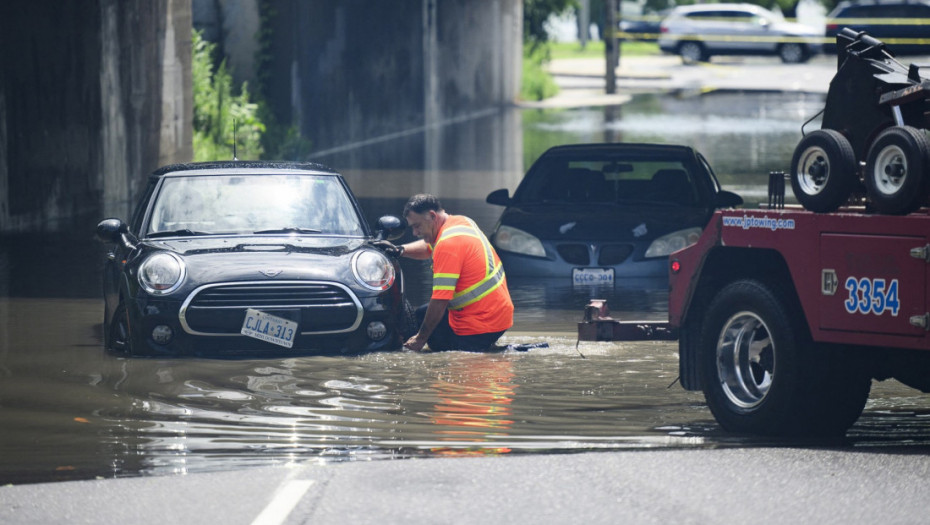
{"x": 468, "y": 273}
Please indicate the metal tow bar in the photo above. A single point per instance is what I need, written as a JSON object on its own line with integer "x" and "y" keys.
{"x": 598, "y": 325}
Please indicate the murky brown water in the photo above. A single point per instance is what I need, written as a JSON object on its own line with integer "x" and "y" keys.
{"x": 69, "y": 410}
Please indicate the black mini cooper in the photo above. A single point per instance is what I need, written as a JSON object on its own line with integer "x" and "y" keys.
{"x": 250, "y": 257}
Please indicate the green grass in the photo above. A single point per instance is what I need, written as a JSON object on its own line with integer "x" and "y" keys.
{"x": 536, "y": 83}
{"x": 595, "y": 49}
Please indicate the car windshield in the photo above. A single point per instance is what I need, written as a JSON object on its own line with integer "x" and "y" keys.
{"x": 253, "y": 203}
{"x": 646, "y": 181}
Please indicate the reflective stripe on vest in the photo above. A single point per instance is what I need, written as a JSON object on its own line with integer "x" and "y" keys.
{"x": 493, "y": 274}
{"x": 445, "y": 281}
{"x": 477, "y": 292}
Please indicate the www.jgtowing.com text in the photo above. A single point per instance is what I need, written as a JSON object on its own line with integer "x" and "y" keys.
{"x": 746, "y": 222}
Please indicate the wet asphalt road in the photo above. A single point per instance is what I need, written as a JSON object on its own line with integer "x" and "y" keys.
{"x": 760, "y": 486}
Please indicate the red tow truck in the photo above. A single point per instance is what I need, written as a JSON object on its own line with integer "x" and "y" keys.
{"x": 785, "y": 316}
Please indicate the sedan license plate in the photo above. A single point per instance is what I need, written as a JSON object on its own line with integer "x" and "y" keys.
{"x": 267, "y": 327}
{"x": 590, "y": 276}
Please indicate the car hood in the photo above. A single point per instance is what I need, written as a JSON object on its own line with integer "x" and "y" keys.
{"x": 219, "y": 259}
{"x": 573, "y": 222}
{"x": 257, "y": 244}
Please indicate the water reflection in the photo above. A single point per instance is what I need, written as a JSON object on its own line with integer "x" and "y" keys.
{"x": 70, "y": 410}
{"x": 475, "y": 396}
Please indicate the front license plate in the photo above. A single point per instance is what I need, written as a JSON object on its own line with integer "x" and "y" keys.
{"x": 267, "y": 327}
{"x": 592, "y": 276}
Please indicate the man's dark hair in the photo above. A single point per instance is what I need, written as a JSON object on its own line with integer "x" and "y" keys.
{"x": 421, "y": 203}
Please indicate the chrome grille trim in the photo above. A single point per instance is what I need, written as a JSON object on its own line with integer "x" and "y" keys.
{"x": 259, "y": 285}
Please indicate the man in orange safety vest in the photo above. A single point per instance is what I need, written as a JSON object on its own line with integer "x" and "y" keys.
{"x": 470, "y": 306}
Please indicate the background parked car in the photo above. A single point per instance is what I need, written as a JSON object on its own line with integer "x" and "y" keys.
{"x": 592, "y": 212}
{"x": 902, "y": 24}
{"x": 643, "y": 27}
{"x": 698, "y": 32}
{"x": 230, "y": 258}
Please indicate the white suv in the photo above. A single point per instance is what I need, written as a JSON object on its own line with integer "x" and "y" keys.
{"x": 697, "y": 32}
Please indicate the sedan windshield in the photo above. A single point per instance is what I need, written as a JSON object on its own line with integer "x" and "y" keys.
{"x": 245, "y": 204}
{"x": 605, "y": 181}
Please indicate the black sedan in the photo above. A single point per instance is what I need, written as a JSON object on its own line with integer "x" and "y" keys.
{"x": 248, "y": 257}
{"x": 590, "y": 213}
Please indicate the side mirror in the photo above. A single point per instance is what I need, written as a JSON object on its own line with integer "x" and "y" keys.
{"x": 499, "y": 197}
{"x": 391, "y": 227}
{"x": 727, "y": 199}
{"x": 111, "y": 230}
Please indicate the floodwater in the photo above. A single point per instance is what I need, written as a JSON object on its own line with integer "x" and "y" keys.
{"x": 69, "y": 410}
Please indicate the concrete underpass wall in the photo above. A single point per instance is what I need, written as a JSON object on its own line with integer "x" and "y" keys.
{"x": 93, "y": 96}
{"x": 352, "y": 72}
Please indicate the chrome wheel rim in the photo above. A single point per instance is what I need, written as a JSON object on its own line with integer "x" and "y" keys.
{"x": 745, "y": 359}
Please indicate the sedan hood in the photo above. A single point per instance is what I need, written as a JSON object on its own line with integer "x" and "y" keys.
{"x": 611, "y": 223}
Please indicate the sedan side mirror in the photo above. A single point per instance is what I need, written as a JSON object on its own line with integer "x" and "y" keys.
{"x": 499, "y": 197}
{"x": 391, "y": 227}
{"x": 727, "y": 199}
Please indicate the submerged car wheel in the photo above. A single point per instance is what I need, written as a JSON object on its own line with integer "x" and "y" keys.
{"x": 692, "y": 52}
{"x": 792, "y": 53}
{"x": 117, "y": 334}
{"x": 823, "y": 170}
{"x": 896, "y": 170}
{"x": 761, "y": 376}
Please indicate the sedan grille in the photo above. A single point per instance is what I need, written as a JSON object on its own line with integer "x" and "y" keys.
{"x": 574, "y": 254}
{"x": 317, "y": 307}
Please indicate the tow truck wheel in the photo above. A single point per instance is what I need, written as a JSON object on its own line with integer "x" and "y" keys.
{"x": 823, "y": 170}
{"x": 896, "y": 170}
{"x": 759, "y": 375}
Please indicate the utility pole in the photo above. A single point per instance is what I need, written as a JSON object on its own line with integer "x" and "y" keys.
{"x": 611, "y": 45}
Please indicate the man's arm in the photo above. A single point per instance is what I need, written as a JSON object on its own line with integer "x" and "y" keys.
{"x": 416, "y": 250}
{"x": 434, "y": 312}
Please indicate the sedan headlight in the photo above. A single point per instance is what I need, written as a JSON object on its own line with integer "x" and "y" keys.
{"x": 672, "y": 242}
{"x": 162, "y": 273}
{"x": 518, "y": 241}
{"x": 373, "y": 270}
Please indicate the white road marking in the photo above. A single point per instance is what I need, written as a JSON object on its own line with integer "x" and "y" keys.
{"x": 283, "y": 503}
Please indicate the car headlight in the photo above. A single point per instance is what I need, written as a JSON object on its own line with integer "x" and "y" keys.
{"x": 373, "y": 270}
{"x": 672, "y": 242}
{"x": 162, "y": 273}
{"x": 518, "y": 241}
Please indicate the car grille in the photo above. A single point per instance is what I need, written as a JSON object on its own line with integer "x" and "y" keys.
{"x": 574, "y": 254}
{"x": 318, "y": 307}
{"x": 613, "y": 254}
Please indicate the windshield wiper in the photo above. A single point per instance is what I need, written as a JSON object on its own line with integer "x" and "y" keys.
{"x": 289, "y": 229}
{"x": 185, "y": 232}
